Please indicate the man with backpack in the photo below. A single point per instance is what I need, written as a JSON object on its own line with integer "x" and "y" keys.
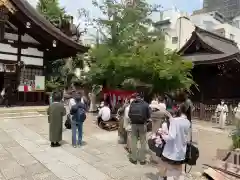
{"x": 78, "y": 112}
{"x": 139, "y": 113}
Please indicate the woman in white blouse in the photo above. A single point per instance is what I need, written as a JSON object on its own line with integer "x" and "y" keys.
{"x": 174, "y": 151}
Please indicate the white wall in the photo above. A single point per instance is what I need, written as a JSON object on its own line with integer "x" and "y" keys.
{"x": 7, "y": 48}
{"x": 231, "y": 32}
{"x": 25, "y": 38}
{"x": 179, "y": 28}
{"x": 205, "y": 21}
{"x": 182, "y": 30}
{"x": 236, "y": 22}
{"x": 32, "y": 61}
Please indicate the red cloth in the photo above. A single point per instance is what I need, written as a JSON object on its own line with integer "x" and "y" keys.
{"x": 25, "y": 88}
{"x": 119, "y": 93}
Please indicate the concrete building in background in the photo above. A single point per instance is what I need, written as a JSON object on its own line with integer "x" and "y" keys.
{"x": 215, "y": 22}
{"x": 171, "y": 23}
{"x": 229, "y": 8}
{"x": 177, "y": 27}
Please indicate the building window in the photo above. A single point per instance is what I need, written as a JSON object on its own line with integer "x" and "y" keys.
{"x": 231, "y": 36}
{"x": 163, "y": 29}
{"x": 174, "y": 40}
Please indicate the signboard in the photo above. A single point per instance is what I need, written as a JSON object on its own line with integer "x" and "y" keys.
{"x": 39, "y": 83}
{"x": 32, "y": 85}
{"x": 10, "y": 67}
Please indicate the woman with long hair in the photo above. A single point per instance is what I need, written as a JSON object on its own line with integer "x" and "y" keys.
{"x": 174, "y": 151}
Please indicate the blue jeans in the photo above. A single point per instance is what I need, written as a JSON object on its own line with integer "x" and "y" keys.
{"x": 77, "y": 131}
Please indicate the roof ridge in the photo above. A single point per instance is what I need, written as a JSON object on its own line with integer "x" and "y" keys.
{"x": 199, "y": 30}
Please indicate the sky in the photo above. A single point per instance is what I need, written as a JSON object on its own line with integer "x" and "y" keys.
{"x": 72, "y": 6}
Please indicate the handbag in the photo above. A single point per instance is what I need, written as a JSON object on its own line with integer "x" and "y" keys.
{"x": 68, "y": 124}
{"x": 151, "y": 144}
{"x": 192, "y": 152}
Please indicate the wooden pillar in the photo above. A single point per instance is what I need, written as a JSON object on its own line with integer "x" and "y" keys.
{"x": 44, "y": 74}
{"x": 18, "y": 68}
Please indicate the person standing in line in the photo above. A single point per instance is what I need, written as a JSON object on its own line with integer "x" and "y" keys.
{"x": 139, "y": 113}
{"x": 174, "y": 151}
{"x": 122, "y": 133}
{"x": 78, "y": 112}
{"x": 158, "y": 116}
{"x": 127, "y": 126}
{"x": 55, "y": 112}
{"x": 189, "y": 106}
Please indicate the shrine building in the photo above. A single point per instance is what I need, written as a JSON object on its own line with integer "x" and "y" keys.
{"x": 27, "y": 43}
{"x": 216, "y": 70}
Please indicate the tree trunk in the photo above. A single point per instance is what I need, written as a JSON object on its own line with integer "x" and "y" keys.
{"x": 93, "y": 107}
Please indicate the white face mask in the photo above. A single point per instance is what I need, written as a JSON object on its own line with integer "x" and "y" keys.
{"x": 222, "y": 103}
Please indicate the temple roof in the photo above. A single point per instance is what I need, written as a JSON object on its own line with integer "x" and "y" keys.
{"x": 205, "y": 47}
{"x": 44, "y": 32}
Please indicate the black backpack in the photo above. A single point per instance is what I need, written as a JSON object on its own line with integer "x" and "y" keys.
{"x": 137, "y": 112}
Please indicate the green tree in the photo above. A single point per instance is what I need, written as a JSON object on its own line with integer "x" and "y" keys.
{"x": 129, "y": 51}
{"x": 51, "y": 10}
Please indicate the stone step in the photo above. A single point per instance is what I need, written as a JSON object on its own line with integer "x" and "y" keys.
{"x": 24, "y": 109}
{"x": 22, "y": 112}
{"x": 21, "y": 115}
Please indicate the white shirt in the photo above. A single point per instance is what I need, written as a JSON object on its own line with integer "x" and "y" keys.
{"x": 162, "y": 105}
{"x": 105, "y": 113}
{"x": 176, "y": 139}
{"x": 126, "y": 119}
{"x": 71, "y": 103}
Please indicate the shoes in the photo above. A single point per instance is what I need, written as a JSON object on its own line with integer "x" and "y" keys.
{"x": 143, "y": 162}
{"x": 132, "y": 161}
{"x": 74, "y": 146}
{"x": 55, "y": 144}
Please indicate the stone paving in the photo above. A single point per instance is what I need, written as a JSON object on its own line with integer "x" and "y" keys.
{"x": 25, "y": 153}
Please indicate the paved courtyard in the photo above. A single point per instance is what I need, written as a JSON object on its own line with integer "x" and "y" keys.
{"x": 25, "y": 153}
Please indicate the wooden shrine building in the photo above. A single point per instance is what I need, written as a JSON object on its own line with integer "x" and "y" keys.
{"x": 27, "y": 43}
{"x": 216, "y": 66}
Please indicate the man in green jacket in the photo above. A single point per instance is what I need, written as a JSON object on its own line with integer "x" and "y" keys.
{"x": 56, "y": 111}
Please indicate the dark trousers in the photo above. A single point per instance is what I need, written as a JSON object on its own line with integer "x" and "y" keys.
{"x": 99, "y": 119}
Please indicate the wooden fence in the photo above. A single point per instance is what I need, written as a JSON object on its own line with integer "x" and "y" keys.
{"x": 207, "y": 113}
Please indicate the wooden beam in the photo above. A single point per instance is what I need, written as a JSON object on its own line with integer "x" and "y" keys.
{"x": 24, "y": 55}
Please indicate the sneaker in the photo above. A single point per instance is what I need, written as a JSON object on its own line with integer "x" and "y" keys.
{"x": 52, "y": 144}
{"x": 74, "y": 146}
{"x": 143, "y": 162}
{"x": 132, "y": 161}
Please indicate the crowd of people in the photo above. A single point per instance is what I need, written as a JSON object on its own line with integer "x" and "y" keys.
{"x": 170, "y": 126}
